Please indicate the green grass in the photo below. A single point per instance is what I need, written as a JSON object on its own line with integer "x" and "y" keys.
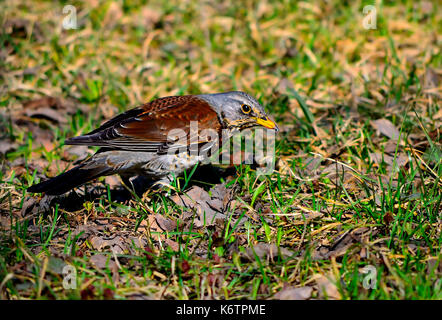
{"x": 323, "y": 77}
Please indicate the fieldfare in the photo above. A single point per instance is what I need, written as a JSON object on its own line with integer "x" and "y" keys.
{"x": 155, "y": 139}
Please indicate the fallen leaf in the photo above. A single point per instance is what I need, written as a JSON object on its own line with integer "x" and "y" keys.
{"x": 392, "y": 162}
{"x": 207, "y": 208}
{"x": 291, "y": 293}
{"x": 342, "y": 243}
{"x": 5, "y": 223}
{"x": 265, "y": 251}
{"x": 7, "y": 145}
{"x": 112, "y": 181}
{"x": 173, "y": 245}
{"x": 431, "y": 78}
{"x": 116, "y": 244}
{"x": 56, "y": 265}
{"x": 45, "y": 102}
{"x": 438, "y": 115}
{"x": 48, "y": 114}
{"x": 386, "y": 127}
{"x": 29, "y": 205}
{"x": 46, "y": 108}
{"x": 102, "y": 261}
{"x": 327, "y": 289}
{"x": 84, "y": 231}
{"x": 165, "y": 224}
{"x": 283, "y": 86}
{"x": 434, "y": 266}
{"x": 390, "y": 147}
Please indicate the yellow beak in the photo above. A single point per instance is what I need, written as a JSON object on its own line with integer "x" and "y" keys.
{"x": 266, "y": 122}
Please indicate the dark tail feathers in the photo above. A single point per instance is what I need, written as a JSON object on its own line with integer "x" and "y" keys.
{"x": 68, "y": 180}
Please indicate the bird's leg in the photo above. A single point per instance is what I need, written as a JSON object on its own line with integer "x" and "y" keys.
{"x": 164, "y": 181}
{"x": 128, "y": 181}
{"x": 140, "y": 184}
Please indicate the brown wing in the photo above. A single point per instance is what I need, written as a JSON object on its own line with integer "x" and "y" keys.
{"x": 147, "y": 127}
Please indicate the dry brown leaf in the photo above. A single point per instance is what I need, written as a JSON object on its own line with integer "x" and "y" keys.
{"x": 326, "y": 288}
{"x": 112, "y": 181}
{"x": 265, "y": 251}
{"x": 434, "y": 265}
{"x": 115, "y": 244}
{"x": 438, "y": 115}
{"x": 102, "y": 261}
{"x": 208, "y": 208}
{"x": 7, "y": 145}
{"x": 431, "y": 78}
{"x": 291, "y": 293}
{"x": 47, "y": 108}
{"x": 341, "y": 244}
{"x": 400, "y": 161}
{"x": 45, "y": 102}
{"x": 164, "y": 223}
{"x": 386, "y": 127}
{"x": 47, "y": 113}
{"x": 172, "y": 244}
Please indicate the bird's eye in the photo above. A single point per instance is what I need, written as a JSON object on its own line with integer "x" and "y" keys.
{"x": 245, "y": 108}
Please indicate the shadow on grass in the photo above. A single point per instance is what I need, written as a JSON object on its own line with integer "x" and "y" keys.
{"x": 74, "y": 200}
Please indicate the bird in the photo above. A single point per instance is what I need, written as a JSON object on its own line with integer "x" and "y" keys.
{"x": 139, "y": 141}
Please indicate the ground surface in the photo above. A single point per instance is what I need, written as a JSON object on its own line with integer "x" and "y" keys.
{"x": 352, "y": 210}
